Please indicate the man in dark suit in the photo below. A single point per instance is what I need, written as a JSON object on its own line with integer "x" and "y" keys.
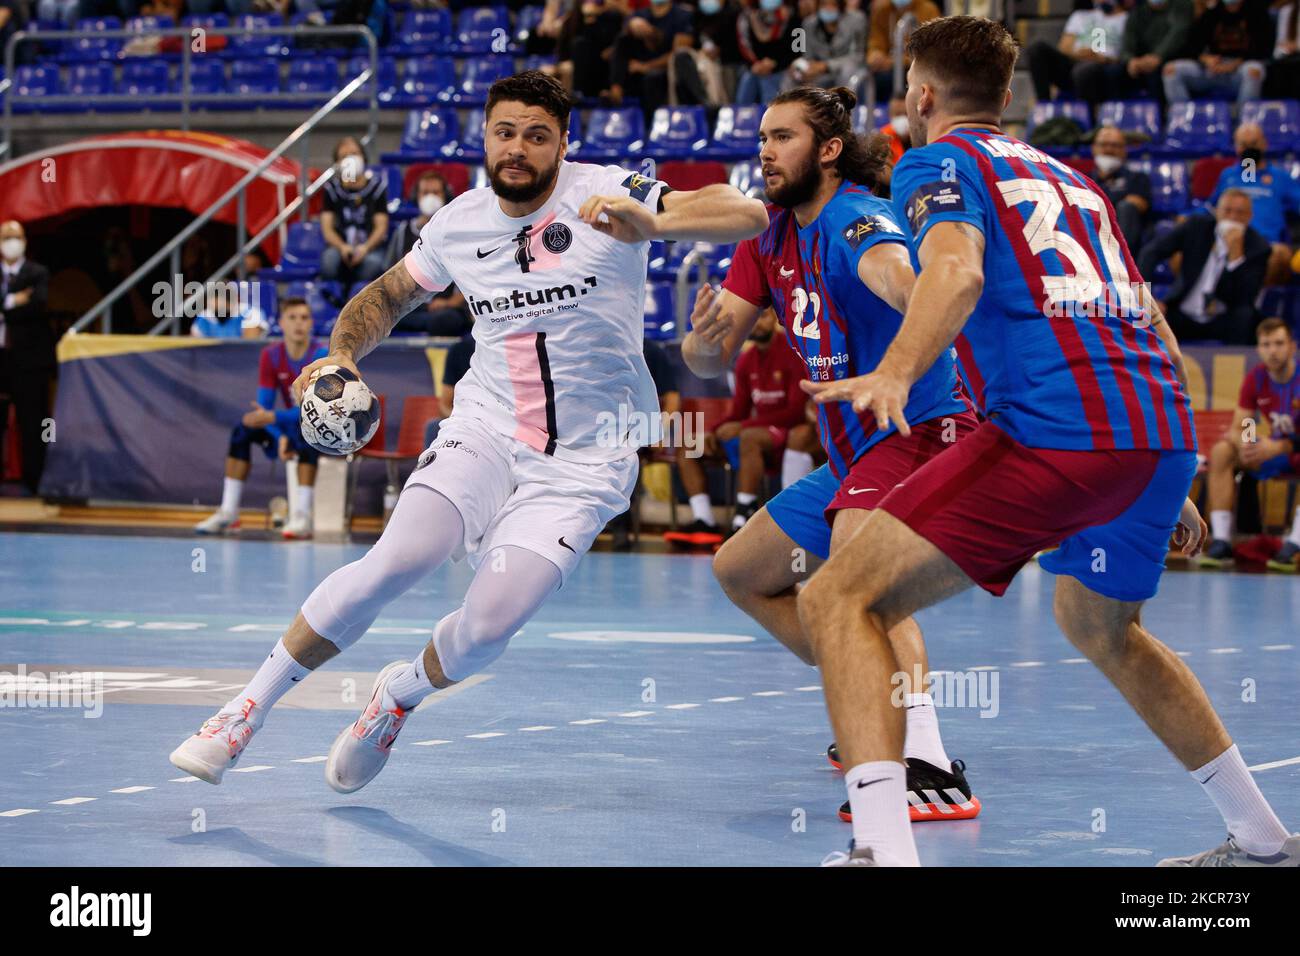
{"x": 1223, "y": 265}
{"x": 26, "y": 350}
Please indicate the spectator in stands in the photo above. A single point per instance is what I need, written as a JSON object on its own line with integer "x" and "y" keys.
{"x": 445, "y": 313}
{"x": 544, "y": 39}
{"x": 881, "y": 51}
{"x": 1223, "y": 264}
{"x": 66, "y": 12}
{"x": 1270, "y": 394}
{"x": 354, "y": 222}
{"x": 1283, "y": 79}
{"x": 765, "y": 29}
{"x": 836, "y": 40}
{"x": 767, "y": 403}
{"x": 718, "y": 57}
{"x": 897, "y": 132}
{"x": 586, "y": 47}
{"x": 1090, "y": 44}
{"x": 277, "y": 432}
{"x": 229, "y": 313}
{"x": 254, "y": 262}
{"x": 1274, "y": 195}
{"x": 14, "y": 16}
{"x": 639, "y": 65}
{"x": 1154, "y": 34}
{"x": 1226, "y": 52}
{"x": 1129, "y": 189}
{"x": 27, "y": 363}
{"x": 803, "y": 448}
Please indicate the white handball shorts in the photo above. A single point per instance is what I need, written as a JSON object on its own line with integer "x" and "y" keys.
{"x": 508, "y": 493}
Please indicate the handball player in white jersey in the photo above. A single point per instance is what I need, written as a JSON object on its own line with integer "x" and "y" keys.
{"x": 540, "y": 451}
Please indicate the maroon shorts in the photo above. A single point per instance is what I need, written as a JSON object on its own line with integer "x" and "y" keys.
{"x": 885, "y": 465}
{"x": 990, "y": 504}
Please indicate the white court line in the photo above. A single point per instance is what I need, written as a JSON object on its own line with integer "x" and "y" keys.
{"x": 1225, "y": 650}
{"x": 637, "y": 713}
{"x": 183, "y": 780}
{"x": 72, "y": 801}
{"x": 18, "y": 813}
{"x": 429, "y": 743}
{"x": 1074, "y": 660}
{"x": 768, "y": 693}
{"x": 810, "y": 687}
{"x": 682, "y": 706}
{"x": 983, "y": 667}
{"x": 1183, "y": 653}
{"x": 485, "y": 736}
{"x": 589, "y": 720}
{"x": 1027, "y": 663}
{"x": 1275, "y": 763}
{"x": 1277, "y": 647}
{"x": 251, "y": 769}
{"x": 131, "y": 789}
{"x": 723, "y": 700}
{"x": 529, "y": 730}
{"x": 308, "y": 759}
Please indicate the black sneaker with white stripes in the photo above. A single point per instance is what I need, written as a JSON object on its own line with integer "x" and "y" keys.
{"x": 932, "y": 794}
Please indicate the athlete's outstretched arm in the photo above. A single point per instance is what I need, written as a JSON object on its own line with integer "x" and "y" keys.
{"x": 716, "y": 213}
{"x": 886, "y": 269}
{"x": 367, "y": 319}
{"x": 720, "y": 324}
{"x": 945, "y": 294}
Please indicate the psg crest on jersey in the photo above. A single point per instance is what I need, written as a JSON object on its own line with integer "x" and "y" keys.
{"x": 557, "y": 237}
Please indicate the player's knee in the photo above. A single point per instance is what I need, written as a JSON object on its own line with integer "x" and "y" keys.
{"x": 472, "y": 644}
{"x": 1223, "y": 453}
{"x": 1094, "y": 637}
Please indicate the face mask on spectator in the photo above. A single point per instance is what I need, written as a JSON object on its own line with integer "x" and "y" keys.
{"x": 900, "y": 124}
{"x": 1106, "y": 6}
{"x": 1253, "y": 153}
{"x": 770, "y": 5}
{"x": 828, "y": 15}
{"x": 13, "y": 249}
{"x": 1225, "y": 227}
{"x": 1108, "y": 164}
{"x": 350, "y": 168}
{"x": 710, "y": 7}
{"x": 430, "y": 203}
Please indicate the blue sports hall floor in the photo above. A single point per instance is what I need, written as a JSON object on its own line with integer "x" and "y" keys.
{"x": 638, "y": 720}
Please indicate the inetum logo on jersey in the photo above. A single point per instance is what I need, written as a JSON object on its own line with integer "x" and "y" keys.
{"x": 520, "y": 298}
{"x": 73, "y": 909}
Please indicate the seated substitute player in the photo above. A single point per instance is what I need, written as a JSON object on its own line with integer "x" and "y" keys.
{"x": 834, "y": 264}
{"x": 1270, "y": 394}
{"x": 766, "y": 404}
{"x": 277, "y": 432}
{"x": 541, "y": 448}
{"x": 1087, "y": 444}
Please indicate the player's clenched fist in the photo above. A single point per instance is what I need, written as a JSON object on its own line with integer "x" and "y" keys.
{"x": 334, "y": 358}
{"x": 625, "y": 219}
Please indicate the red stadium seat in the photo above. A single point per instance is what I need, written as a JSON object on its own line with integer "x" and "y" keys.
{"x": 417, "y": 412}
{"x": 687, "y": 175}
{"x": 1205, "y": 174}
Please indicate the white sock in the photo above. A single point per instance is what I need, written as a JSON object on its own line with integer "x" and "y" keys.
{"x": 922, "y": 740}
{"x": 409, "y": 686}
{"x": 231, "y": 492}
{"x": 745, "y": 498}
{"x": 701, "y": 508}
{"x": 1294, "y": 536}
{"x": 303, "y": 505}
{"x": 1249, "y": 818}
{"x": 1221, "y": 525}
{"x": 880, "y": 816}
{"x": 278, "y": 673}
{"x": 794, "y": 465}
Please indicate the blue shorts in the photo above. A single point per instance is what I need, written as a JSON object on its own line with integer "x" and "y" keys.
{"x": 800, "y": 510}
{"x": 1124, "y": 558}
{"x": 1275, "y": 466}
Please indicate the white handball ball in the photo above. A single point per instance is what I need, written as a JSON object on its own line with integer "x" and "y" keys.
{"x": 339, "y": 413}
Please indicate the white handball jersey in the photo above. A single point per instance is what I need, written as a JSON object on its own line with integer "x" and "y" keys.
{"x": 559, "y": 360}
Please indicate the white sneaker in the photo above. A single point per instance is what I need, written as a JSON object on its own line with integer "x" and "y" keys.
{"x": 299, "y": 527}
{"x": 219, "y": 742}
{"x": 362, "y": 749}
{"x": 218, "y": 523}
{"x": 1229, "y": 853}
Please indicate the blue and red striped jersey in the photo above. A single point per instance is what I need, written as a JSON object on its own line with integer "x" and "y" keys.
{"x": 838, "y": 325}
{"x": 1277, "y": 403}
{"x": 1058, "y": 349}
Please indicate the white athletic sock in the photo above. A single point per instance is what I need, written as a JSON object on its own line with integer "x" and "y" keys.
{"x": 880, "y": 815}
{"x": 794, "y": 465}
{"x": 231, "y": 492}
{"x": 701, "y": 508}
{"x": 1221, "y": 525}
{"x": 745, "y": 498}
{"x": 409, "y": 686}
{"x": 272, "y": 681}
{"x": 922, "y": 740}
{"x": 302, "y": 506}
{"x": 1249, "y": 818}
{"x": 1294, "y": 536}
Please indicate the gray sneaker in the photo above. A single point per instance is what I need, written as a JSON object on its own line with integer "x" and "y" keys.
{"x": 1229, "y": 854}
{"x": 855, "y": 857}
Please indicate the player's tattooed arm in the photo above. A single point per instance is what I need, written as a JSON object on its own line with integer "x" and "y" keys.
{"x": 370, "y": 316}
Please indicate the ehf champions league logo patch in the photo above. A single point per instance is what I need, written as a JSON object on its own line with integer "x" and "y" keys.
{"x": 557, "y": 237}
{"x": 865, "y": 226}
{"x": 933, "y": 197}
{"x": 639, "y": 186}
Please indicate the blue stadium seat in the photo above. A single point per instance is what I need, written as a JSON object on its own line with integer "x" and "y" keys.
{"x": 320, "y": 77}
{"x": 90, "y": 79}
{"x": 425, "y": 80}
{"x": 1132, "y": 116}
{"x": 479, "y": 75}
{"x": 660, "y": 318}
{"x": 93, "y": 48}
{"x": 1280, "y": 120}
{"x": 575, "y": 135}
{"x": 526, "y": 22}
{"x": 393, "y": 185}
{"x": 735, "y": 133}
{"x": 39, "y": 81}
{"x": 318, "y": 295}
{"x": 1198, "y": 128}
{"x": 302, "y": 251}
{"x": 1170, "y": 185}
{"x": 678, "y": 132}
{"x": 614, "y": 133}
{"x": 748, "y": 178}
{"x": 250, "y": 78}
{"x": 387, "y": 93}
{"x": 1076, "y": 110}
{"x": 242, "y": 46}
{"x": 428, "y": 135}
{"x": 143, "y": 78}
{"x": 860, "y": 121}
{"x": 149, "y": 24}
{"x": 207, "y": 75}
{"x": 476, "y": 30}
{"x": 469, "y": 147}
{"x": 422, "y": 32}
{"x": 539, "y": 60}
